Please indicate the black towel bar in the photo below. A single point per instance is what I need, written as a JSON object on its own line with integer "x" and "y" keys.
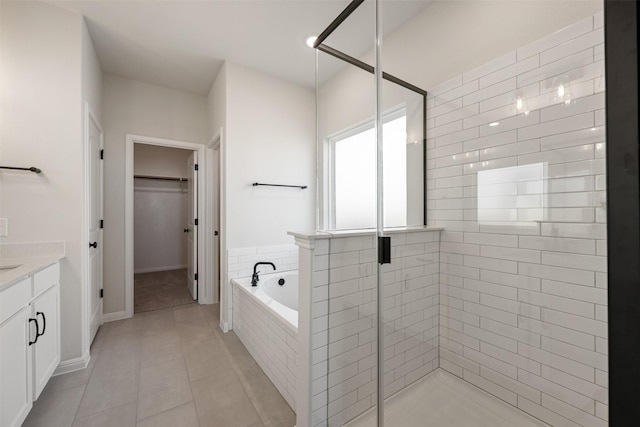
{"x": 302, "y": 187}
{"x": 31, "y": 169}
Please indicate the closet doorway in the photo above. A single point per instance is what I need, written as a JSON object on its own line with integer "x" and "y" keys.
{"x": 164, "y": 262}
{"x": 162, "y": 232}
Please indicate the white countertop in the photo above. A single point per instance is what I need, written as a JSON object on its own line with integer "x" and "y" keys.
{"x": 20, "y": 260}
{"x": 24, "y": 267}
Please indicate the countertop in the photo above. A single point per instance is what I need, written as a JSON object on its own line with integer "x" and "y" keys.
{"x": 24, "y": 267}
{"x": 27, "y": 259}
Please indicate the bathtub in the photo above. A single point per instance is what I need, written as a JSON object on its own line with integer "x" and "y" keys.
{"x": 265, "y": 319}
{"x": 278, "y": 292}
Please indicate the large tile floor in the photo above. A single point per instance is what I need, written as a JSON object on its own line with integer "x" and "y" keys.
{"x": 443, "y": 400}
{"x": 172, "y": 367}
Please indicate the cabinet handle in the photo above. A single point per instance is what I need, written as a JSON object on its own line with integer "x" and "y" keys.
{"x": 44, "y": 324}
{"x": 93, "y": 245}
{"x": 37, "y": 331}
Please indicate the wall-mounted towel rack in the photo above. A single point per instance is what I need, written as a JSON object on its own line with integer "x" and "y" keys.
{"x": 302, "y": 187}
{"x": 164, "y": 178}
{"x": 31, "y": 169}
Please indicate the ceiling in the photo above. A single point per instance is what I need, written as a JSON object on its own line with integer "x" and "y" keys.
{"x": 182, "y": 44}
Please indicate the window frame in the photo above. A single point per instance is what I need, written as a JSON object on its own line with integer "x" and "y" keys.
{"x": 329, "y": 152}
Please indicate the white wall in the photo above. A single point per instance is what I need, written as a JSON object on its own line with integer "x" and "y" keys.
{"x": 160, "y": 208}
{"x": 48, "y": 68}
{"x": 217, "y": 103}
{"x": 155, "y": 160}
{"x": 159, "y": 217}
{"x": 133, "y": 107}
{"x": 270, "y": 138}
{"x": 448, "y": 38}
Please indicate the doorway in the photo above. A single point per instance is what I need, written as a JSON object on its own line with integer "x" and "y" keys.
{"x": 164, "y": 254}
{"x": 165, "y": 239}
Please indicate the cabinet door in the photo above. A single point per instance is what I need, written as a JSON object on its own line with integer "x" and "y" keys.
{"x": 15, "y": 369}
{"x": 46, "y": 351}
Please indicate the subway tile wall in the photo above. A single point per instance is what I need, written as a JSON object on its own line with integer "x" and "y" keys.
{"x": 271, "y": 341}
{"x": 516, "y": 176}
{"x": 240, "y": 261}
{"x": 344, "y": 306}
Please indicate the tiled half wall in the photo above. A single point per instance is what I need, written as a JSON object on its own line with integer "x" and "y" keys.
{"x": 342, "y": 306}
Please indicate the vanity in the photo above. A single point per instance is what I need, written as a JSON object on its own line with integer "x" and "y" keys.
{"x": 29, "y": 331}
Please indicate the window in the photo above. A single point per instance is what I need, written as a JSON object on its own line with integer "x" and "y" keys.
{"x": 352, "y": 175}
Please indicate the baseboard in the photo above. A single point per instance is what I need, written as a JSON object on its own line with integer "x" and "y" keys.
{"x": 156, "y": 269}
{"x": 72, "y": 365}
{"x": 111, "y": 317}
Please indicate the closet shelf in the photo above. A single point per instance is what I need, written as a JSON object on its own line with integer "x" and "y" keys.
{"x": 164, "y": 178}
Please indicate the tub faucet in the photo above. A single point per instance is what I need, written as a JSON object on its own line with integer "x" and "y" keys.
{"x": 255, "y": 278}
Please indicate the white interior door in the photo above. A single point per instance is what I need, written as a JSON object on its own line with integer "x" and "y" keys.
{"x": 95, "y": 230}
{"x": 192, "y": 225}
{"x": 216, "y": 226}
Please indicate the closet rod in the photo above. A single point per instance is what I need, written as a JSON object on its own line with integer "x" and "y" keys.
{"x": 31, "y": 169}
{"x": 164, "y": 178}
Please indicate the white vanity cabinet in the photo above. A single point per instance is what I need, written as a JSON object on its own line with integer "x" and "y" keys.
{"x": 15, "y": 354}
{"x": 29, "y": 341}
{"x": 45, "y": 308}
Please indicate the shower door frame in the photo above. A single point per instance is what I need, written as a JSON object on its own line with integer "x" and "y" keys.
{"x": 623, "y": 209}
{"x": 383, "y": 244}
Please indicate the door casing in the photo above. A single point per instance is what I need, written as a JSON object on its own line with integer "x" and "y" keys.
{"x": 205, "y": 288}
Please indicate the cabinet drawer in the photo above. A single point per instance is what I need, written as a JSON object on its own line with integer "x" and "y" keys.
{"x": 44, "y": 279}
{"x": 14, "y": 298}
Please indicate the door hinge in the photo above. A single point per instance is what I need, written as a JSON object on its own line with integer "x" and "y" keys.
{"x": 195, "y": 277}
{"x": 101, "y": 154}
{"x": 102, "y": 223}
{"x": 384, "y": 250}
{"x": 196, "y": 221}
{"x": 196, "y": 166}
{"x": 101, "y": 293}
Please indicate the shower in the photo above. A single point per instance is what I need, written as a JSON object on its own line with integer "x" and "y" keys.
{"x": 458, "y": 274}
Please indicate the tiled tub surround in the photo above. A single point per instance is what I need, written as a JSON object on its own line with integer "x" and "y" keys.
{"x": 240, "y": 262}
{"x": 270, "y": 338}
{"x": 521, "y": 195}
{"x": 338, "y": 320}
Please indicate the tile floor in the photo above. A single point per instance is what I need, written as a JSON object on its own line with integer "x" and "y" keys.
{"x": 171, "y": 367}
{"x": 441, "y": 399}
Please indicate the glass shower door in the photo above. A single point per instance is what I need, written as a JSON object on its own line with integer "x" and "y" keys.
{"x": 346, "y": 347}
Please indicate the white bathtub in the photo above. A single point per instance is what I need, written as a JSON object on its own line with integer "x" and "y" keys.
{"x": 266, "y": 321}
{"x": 281, "y": 299}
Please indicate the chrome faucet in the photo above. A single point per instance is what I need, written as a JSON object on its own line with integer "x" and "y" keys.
{"x": 255, "y": 278}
